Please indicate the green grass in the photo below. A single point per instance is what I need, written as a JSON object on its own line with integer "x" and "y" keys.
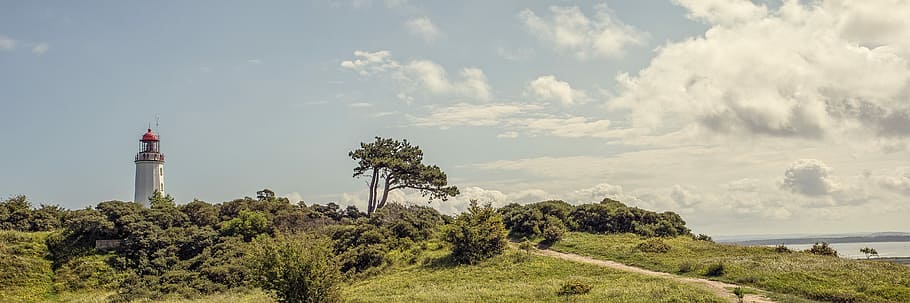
{"x": 25, "y": 273}
{"x": 254, "y": 296}
{"x": 804, "y": 275}
{"x": 515, "y": 277}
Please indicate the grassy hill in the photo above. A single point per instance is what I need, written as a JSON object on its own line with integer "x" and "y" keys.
{"x": 26, "y": 275}
{"x": 516, "y": 277}
{"x": 512, "y": 277}
{"x": 822, "y": 278}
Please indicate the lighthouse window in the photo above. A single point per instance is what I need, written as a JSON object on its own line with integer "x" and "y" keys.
{"x": 161, "y": 171}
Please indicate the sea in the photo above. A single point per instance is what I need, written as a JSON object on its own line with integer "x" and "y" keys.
{"x": 851, "y": 250}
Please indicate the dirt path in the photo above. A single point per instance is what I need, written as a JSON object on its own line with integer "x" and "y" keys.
{"x": 722, "y": 289}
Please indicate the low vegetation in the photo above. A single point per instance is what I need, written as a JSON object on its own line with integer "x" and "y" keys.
{"x": 476, "y": 235}
{"x": 510, "y": 277}
{"x": 803, "y": 274}
{"x": 25, "y": 275}
{"x": 551, "y": 219}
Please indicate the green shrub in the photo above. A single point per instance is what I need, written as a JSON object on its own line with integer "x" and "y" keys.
{"x": 248, "y": 224}
{"x": 685, "y": 267}
{"x": 88, "y": 272}
{"x": 703, "y": 237}
{"x": 653, "y": 245}
{"x": 476, "y": 235}
{"x": 822, "y": 249}
{"x": 740, "y": 293}
{"x": 574, "y": 287}
{"x": 298, "y": 268}
{"x": 715, "y": 270}
{"x": 553, "y": 230}
{"x": 522, "y": 220}
{"x": 612, "y": 216}
{"x": 781, "y": 248}
{"x": 526, "y": 246}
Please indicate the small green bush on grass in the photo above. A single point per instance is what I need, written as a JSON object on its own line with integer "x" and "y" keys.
{"x": 685, "y": 267}
{"x": 715, "y": 270}
{"x": 654, "y": 245}
{"x": 574, "y": 287}
{"x": 822, "y": 249}
{"x": 298, "y": 268}
{"x": 476, "y": 235}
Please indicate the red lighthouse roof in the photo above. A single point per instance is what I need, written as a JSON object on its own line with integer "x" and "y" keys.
{"x": 149, "y": 136}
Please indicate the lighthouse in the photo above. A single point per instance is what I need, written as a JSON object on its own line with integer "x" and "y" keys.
{"x": 149, "y": 168}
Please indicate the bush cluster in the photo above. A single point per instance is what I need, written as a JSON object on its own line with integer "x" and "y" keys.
{"x": 298, "y": 268}
{"x": 715, "y": 270}
{"x": 476, "y": 235}
{"x": 609, "y": 216}
{"x": 653, "y": 245}
{"x": 822, "y": 249}
{"x": 783, "y": 249}
{"x": 366, "y": 242}
{"x": 574, "y": 287}
{"x": 186, "y": 250}
{"x": 16, "y": 213}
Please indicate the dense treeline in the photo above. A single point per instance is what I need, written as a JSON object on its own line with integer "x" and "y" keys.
{"x": 200, "y": 248}
{"x": 550, "y": 219}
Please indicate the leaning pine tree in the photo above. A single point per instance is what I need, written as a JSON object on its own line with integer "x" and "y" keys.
{"x": 391, "y": 164}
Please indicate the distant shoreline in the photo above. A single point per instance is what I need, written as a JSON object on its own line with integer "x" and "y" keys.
{"x": 812, "y": 240}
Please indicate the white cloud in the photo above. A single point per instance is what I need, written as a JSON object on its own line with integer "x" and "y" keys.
{"x": 359, "y": 104}
{"x": 464, "y": 114}
{"x": 421, "y": 76}
{"x": 367, "y": 63}
{"x": 808, "y": 177}
{"x": 423, "y": 28}
{"x": 384, "y": 114}
{"x": 7, "y": 43}
{"x": 568, "y": 29}
{"x": 806, "y": 70}
{"x": 547, "y": 88}
{"x": 293, "y": 197}
{"x": 569, "y": 127}
{"x": 514, "y": 118}
{"x": 898, "y": 181}
{"x": 40, "y": 48}
{"x": 254, "y": 61}
{"x": 508, "y": 135}
{"x": 723, "y": 11}
{"x": 433, "y": 78}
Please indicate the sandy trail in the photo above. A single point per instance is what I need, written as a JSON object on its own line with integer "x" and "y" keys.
{"x": 724, "y": 290}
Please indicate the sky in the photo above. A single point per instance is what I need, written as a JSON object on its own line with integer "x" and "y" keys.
{"x": 744, "y": 117}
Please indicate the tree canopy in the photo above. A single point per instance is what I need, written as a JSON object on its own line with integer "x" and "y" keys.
{"x": 391, "y": 164}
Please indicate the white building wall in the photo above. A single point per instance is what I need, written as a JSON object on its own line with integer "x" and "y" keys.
{"x": 149, "y": 178}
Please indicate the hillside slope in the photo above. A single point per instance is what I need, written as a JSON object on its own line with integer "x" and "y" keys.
{"x": 822, "y": 278}
{"x": 517, "y": 277}
{"x": 26, "y": 274}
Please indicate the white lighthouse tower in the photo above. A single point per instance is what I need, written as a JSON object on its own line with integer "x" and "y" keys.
{"x": 149, "y": 168}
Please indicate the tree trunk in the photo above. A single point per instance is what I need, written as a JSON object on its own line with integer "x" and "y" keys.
{"x": 371, "y": 202}
{"x": 385, "y": 193}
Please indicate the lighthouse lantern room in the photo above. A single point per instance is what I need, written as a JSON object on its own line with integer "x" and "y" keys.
{"x": 149, "y": 168}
